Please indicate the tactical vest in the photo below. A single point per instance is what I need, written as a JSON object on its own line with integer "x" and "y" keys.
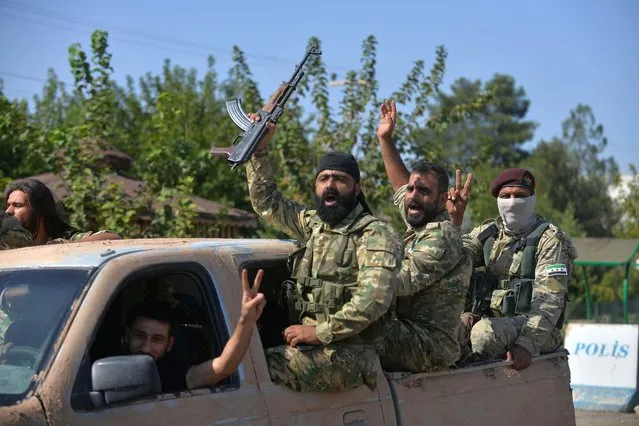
{"x": 507, "y": 295}
{"x": 321, "y": 298}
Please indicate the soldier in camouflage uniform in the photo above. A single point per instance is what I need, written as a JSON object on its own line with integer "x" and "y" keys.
{"x": 435, "y": 270}
{"x": 33, "y": 204}
{"x": 517, "y": 304}
{"x": 344, "y": 279}
{"x": 12, "y": 234}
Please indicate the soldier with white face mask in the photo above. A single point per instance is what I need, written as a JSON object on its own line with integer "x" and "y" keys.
{"x": 517, "y": 298}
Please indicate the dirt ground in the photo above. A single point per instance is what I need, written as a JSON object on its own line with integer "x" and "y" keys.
{"x": 605, "y": 418}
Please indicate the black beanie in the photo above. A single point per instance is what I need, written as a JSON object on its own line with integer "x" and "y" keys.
{"x": 339, "y": 161}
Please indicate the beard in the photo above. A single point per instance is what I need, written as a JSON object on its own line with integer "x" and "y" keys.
{"x": 419, "y": 214}
{"x": 30, "y": 224}
{"x": 340, "y": 206}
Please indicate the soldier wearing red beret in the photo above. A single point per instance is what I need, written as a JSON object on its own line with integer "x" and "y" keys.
{"x": 517, "y": 300}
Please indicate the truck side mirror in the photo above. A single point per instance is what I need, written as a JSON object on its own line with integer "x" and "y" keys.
{"x": 123, "y": 378}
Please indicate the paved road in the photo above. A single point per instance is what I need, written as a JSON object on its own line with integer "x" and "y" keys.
{"x": 604, "y": 418}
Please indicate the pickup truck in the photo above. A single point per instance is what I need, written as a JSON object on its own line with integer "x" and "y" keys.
{"x": 62, "y": 363}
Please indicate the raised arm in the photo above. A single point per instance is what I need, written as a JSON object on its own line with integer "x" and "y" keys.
{"x": 267, "y": 201}
{"x": 212, "y": 371}
{"x": 395, "y": 168}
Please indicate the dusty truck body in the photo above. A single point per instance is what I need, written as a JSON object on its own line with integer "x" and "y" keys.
{"x": 65, "y": 364}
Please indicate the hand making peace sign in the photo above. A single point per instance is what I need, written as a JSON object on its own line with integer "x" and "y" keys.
{"x": 252, "y": 301}
{"x": 458, "y": 198}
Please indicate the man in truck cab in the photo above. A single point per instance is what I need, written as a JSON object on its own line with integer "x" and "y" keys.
{"x": 517, "y": 304}
{"x": 436, "y": 268}
{"x": 345, "y": 276}
{"x": 150, "y": 328}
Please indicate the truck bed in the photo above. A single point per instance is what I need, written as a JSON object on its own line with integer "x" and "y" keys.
{"x": 538, "y": 395}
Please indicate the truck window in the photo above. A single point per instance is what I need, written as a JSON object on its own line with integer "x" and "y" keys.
{"x": 198, "y": 332}
{"x": 34, "y": 306}
{"x": 276, "y": 316}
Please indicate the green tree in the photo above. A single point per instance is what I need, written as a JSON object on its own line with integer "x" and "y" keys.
{"x": 628, "y": 225}
{"x": 167, "y": 123}
{"x": 17, "y": 137}
{"x": 574, "y": 176}
{"x": 95, "y": 200}
{"x": 496, "y": 131}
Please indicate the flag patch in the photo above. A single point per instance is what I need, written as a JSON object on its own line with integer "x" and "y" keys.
{"x": 557, "y": 269}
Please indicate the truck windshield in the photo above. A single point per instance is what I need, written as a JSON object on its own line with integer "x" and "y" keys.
{"x": 34, "y": 305}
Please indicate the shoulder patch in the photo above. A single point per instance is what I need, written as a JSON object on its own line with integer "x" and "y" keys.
{"x": 557, "y": 269}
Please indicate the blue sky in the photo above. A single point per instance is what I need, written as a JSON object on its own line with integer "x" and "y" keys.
{"x": 561, "y": 52}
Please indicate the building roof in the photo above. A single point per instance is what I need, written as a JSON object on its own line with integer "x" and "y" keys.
{"x": 205, "y": 209}
{"x": 605, "y": 251}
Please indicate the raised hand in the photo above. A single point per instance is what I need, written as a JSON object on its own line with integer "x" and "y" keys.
{"x": 269, "y": 133}
{"x": 387, "y": 120}
{"x": 253, "y": 301}
{"x": 458, "y": 198}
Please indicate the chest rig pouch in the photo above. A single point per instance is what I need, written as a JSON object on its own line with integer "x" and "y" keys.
{"x": 512, "y": 295}
{"x": 316, "y": 297}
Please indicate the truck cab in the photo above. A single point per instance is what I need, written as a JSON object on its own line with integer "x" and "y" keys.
{"x": 63, "y": 311}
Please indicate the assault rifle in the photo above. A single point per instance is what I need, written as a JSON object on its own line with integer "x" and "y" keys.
{"x": 252, "y": 132}
{"x": 481, "y": 286}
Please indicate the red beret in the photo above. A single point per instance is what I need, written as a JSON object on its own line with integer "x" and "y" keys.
{"x": 513, "y": 177}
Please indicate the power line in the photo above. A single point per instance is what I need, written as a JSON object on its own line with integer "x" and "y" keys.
{"x": 23, "y": 77}
{"x": 26, "y": 92}
{"x": 136, "y": 33}
{"x": 140, "y": 43}
{"x": 163, "y": 41}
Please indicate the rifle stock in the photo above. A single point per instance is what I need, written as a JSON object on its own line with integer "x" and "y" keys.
{"x": 253, "y": 132}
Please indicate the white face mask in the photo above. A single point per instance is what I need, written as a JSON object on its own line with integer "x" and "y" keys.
{"x": 517, "y": 213}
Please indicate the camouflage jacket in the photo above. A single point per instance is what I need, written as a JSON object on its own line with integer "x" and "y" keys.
{"x": 368, "y": 261}
{"x": 12, "y": 234}
{"x": 555, "y": 256}
{"x": 433, "y": 281}
{"x": 72, "y": 237}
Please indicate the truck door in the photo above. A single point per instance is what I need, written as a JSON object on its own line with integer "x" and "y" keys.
{"x": 102, "y": 328}
{"x": 360, "y": 406}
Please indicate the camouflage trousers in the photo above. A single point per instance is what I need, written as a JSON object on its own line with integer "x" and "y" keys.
{"x": 331, "y": 368}
{"x": 491, "y": 338}
{"x": 410, "y": 348}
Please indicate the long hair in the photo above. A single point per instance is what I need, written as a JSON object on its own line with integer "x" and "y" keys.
{"x": 44, "y": 208}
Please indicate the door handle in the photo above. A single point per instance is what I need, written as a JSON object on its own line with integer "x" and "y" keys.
{"x": 355, "y": 418}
